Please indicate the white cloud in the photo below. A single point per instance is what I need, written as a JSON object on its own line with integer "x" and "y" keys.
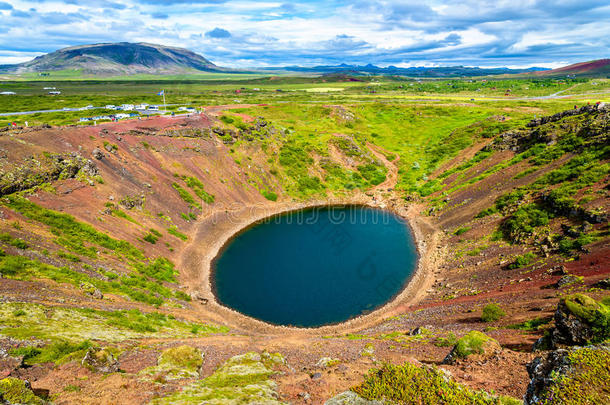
{"x": 481, "y": 32}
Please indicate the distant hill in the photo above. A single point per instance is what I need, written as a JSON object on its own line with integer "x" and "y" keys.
{"x": 118, "y": 59}
{"x": 448, "y": 71}
{"x": 594, "y": 68}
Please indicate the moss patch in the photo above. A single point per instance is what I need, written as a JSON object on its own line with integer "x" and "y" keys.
{"x": 242, "y": 379}
{"x": 597, "y": 314}
{"x": 77, "y": 324}
{"x": 177, "y": 362}
{"x": 14, "y": 391}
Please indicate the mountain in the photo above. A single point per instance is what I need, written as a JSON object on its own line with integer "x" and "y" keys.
{"x": 594, "y": 68}
{"x": 118, "y": 59}
{"x": 369, "y": 69}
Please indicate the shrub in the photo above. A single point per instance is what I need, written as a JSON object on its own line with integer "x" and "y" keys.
{"x": 18, "y": 243}
{"x": 523, "y": 222}
{"x": 197, "y": 186}
{"x": 587, "y": 380}
{"x": 461, "y": 230}
{"x": 14, "y": 391}
{"x": 150, "y": 238}
{"x": 373, "y": 174}
{"x": 522, "y": 260}
{"x": 174, "y": 231}
{"x": 472, "y": 343}
{"x": 492, "y": 312}
{"x": 269, "y": 195}
{"x": 448, "y": 341}
{"x": 185, "y": 195}
{"x": 409, "y": 384}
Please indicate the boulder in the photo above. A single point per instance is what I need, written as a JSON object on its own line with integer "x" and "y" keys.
{"x": 350, "y": 398}
{"x": 568, "y": 279}
{"x": 98, "y": 154}
{"x": 91, "y": 290}
{"x": 603, "y": 284}
{"x": 573, "y": 320}
{"x": 327, "y": 362}
{"x": 100, "y": 360}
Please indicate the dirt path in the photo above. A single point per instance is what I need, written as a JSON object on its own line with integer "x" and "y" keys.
{"x": 392, "y": 175}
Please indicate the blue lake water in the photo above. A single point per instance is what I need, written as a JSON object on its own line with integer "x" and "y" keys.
{"x": 316, "y": 267}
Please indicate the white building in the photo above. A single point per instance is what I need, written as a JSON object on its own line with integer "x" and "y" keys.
{"x": 7, "y": 93}
{"x": 126, "y": 107}
{"x": 55, "y": 92}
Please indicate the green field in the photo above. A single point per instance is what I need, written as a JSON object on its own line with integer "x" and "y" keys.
{"x": 215, "y": 89}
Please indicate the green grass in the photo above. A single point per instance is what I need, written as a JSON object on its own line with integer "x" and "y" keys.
{"x": 57, "y": 352}
{"x": 197, "y": 186}
{"x": 73, "y": 233}
{"x": 76, "y": 325}
{"x": 186, "y": 196}
{"x": 175, "y": 232}
{"x": 531, "y": 324}
{"x": 135, "y": 287}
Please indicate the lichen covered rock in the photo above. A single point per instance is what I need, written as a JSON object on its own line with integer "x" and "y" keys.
{"x": 579, "y": 320}
{"x": 327, "y": 362}
{"x": 243, "y": 379}
{"x": 350, "y": 398}
{"x": 100, "y": 360}
{"x": 176, "y": 363}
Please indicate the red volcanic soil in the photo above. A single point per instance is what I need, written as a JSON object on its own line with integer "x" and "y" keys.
{"x": 600, "y": 66}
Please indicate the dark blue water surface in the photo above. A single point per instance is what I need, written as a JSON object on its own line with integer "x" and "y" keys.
{"x": 316, "y": 267}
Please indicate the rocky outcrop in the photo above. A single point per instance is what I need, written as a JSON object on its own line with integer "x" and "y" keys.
{"x": 579, "y": 320}
{"x": 568, "y": 113}
{"x": 34, "y": 172}
{"x": 542, "y": 370}
{"x": 325, "y": 362}
{"x": 594, "y": 129}
{"x": 100, "y": 360}
{"x": 576, "y": 375}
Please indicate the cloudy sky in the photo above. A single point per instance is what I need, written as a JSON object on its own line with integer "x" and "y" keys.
{"x": 242, "y": 33}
